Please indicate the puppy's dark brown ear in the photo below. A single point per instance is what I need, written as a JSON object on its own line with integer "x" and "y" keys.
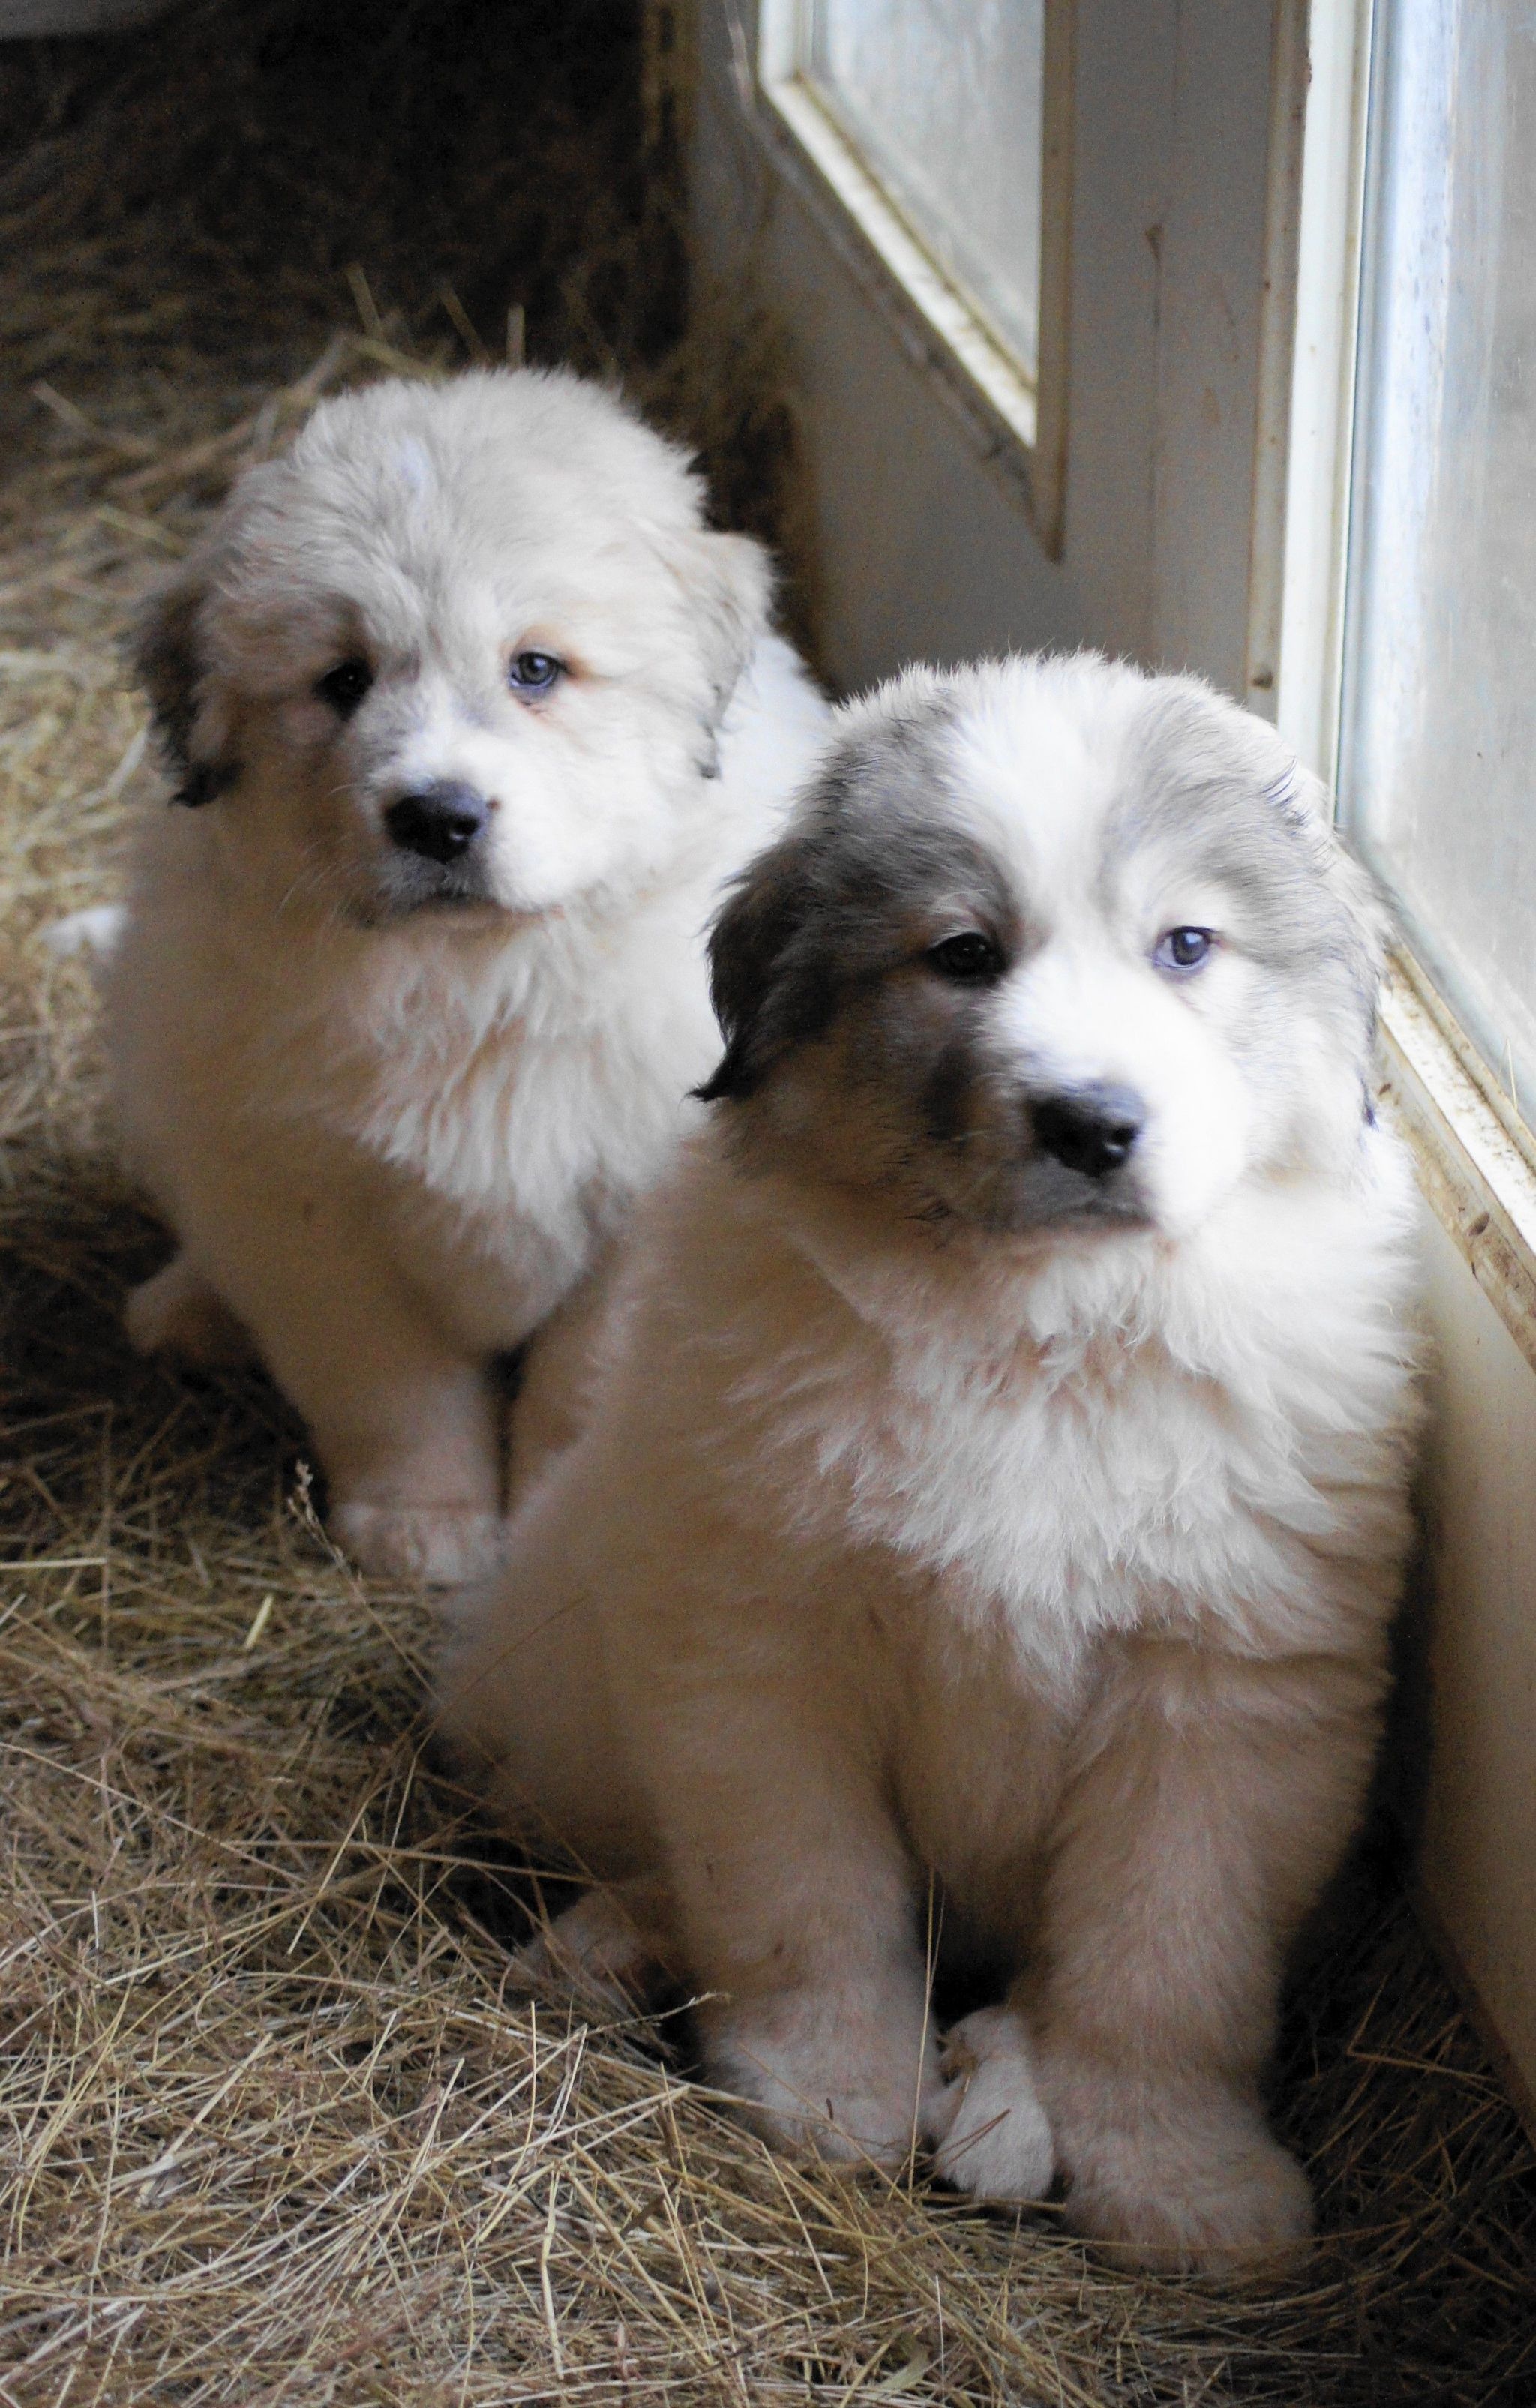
{"x": 771, "y": 984}
{"x": 169, "y": 658}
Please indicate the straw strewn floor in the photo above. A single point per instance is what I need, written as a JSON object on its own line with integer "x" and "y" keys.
{"x": 273, "y": 2127}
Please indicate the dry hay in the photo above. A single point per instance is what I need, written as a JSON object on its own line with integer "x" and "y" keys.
{"x": 273, "y": 2125}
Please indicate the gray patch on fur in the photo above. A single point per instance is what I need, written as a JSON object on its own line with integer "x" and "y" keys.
{"x": 897, "y": 1079}
{"x": 1235, "y": 818}
{"x": 1219, "y": 792}
{"x": 822, "y": 913}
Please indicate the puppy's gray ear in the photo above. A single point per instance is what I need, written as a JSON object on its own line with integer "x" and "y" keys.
{"x": 168, "y": 654}
{"x": 1300, "y": 795}
{"x": 729, "y": 580}
{"x": 771, "y": 984}
{"x": 1308, "y": 804}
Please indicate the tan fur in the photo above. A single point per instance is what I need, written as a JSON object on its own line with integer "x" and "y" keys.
{"x": 1050, "y": 1565}
{"x": 391, "y": 1127}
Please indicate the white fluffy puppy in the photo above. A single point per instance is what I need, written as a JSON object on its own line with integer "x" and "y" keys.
{"x": 997, "y": 1472}
{"x": 471, "y": 716}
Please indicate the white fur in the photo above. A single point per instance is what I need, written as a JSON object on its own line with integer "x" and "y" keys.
{"x": 389, "y": 1141}
{"x": 992, "y": 2134}
{"x": 1049, "y": 1561}
{"x": 93, "y": 932}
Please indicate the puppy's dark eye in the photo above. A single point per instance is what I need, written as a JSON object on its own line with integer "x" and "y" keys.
{"x": 968, "y": 960}
{"x": 344, "y": 686}
{"x": 533, "y": 672}
{"x": 1184, "y": 949}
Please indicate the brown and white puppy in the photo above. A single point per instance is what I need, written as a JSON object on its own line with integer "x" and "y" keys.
{"x": 995, "y": 1474}
{"x": 473, "y": 716}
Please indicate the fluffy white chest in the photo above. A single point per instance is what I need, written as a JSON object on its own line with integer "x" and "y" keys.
{"x": 1074, "y": 1498}
{"x": 1192, "y": 1457}
{"x": 505, "y": 1166}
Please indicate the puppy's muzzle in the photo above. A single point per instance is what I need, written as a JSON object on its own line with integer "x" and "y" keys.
{"x": 439, "y": 823}
{"x": 1092, "y": 1129}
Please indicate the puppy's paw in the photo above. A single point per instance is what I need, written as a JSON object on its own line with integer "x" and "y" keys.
{"x": 829, "y": 2077}
{"x": 95, "y": 931}
{"x": 1184, "y": 2180}
{"x": 430, "y": 1547}
{"x": 609, "y": 1948}
{"x": 177, "y": 1313}
{"x": 991, "y": 2134}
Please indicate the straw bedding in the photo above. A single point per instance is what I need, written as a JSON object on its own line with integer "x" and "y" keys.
{"x": 275, "y": 2125}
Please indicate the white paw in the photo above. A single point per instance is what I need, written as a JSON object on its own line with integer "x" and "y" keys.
{"x": 830, "y": 2076}
{"x": 1180, "y": 2180}
{"x": 434, "y": 1546}
{"x": 991, "y": 2132}
{"x": 177, "y": 1313}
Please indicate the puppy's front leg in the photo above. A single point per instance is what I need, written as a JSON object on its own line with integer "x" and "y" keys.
{"x": 405, "y": 1428}
{"x": 1211, "y": 1799}
{"x": 178, "y": 1313}
{"x": 795, "y": 1896}
{"x": 411, "y": 1462}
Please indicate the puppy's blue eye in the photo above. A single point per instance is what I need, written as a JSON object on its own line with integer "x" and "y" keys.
{"x": 344, "y": 686}
{"x": 533, "y": 672}
{"x": 968, "y": 960}
{"x": 1184, "y": 949}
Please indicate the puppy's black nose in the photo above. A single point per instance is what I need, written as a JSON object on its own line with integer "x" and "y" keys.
{"x": 439, "y": 822}
{"x": 1091, "y": 1129}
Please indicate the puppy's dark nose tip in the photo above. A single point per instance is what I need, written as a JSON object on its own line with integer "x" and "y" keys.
{"x": 1090, "y": 1129}
{"x": 439, "y": 822}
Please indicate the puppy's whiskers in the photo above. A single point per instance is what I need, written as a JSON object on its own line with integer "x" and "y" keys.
{"x": 314, "y": 874}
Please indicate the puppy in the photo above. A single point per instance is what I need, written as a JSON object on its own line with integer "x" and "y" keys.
{"x": 993, "y": 1498}
{"x": 471, "y": 717}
